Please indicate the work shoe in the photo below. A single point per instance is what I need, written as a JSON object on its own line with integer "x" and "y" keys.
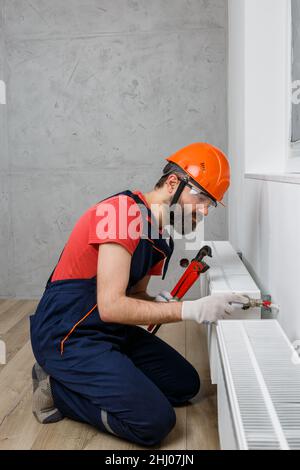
{"x": 43, "y": 406}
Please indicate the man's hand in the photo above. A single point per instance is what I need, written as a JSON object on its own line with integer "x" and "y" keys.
{"x": 211, "y": 308}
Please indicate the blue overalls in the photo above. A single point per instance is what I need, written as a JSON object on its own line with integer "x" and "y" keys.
{"x": 118, "y": 378}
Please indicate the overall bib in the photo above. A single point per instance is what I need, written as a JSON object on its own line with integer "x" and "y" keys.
{"x": 118, "y": 378}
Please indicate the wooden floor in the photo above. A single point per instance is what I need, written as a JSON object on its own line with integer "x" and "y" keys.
{"x": 196, "y": 426}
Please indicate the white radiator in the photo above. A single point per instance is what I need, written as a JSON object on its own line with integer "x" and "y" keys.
{"x": 258, "y": 386}
{"x": 227, "y": 273}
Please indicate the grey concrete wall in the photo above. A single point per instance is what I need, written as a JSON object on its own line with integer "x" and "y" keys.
{"x": 99, "y": 92}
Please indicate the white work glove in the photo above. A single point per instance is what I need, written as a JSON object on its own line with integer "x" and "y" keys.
{"x": 164, "y": 296}
{"x": 211, "y": 308}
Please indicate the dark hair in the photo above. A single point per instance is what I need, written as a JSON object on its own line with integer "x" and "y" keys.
{"x": 168, "y": 169}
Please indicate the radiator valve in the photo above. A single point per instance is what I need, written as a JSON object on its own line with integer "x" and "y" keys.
{"x": 264, "y": 303}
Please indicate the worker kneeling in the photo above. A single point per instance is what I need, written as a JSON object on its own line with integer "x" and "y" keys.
{"x": 94, "y": 363}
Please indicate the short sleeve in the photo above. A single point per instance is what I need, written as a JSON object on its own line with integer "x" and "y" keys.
{"x": 116, "y": 220}
{"x": 157, "y": 269}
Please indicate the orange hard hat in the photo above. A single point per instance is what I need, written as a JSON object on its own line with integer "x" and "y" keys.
{"x": 206, "y": 165}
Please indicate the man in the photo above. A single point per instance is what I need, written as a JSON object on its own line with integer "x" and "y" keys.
{"x": 94, "y": 364}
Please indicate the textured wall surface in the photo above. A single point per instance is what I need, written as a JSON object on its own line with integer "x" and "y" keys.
{"x": 98, "y": 93}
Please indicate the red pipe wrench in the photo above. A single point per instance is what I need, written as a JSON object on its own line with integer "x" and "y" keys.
{"x": 196, "y": 267}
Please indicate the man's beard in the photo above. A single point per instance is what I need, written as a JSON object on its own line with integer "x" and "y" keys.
{"x": 190, "y": 221}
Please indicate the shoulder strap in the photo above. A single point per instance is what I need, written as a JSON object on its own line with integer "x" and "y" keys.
{"x": 166, "y": 265}
{"x": 170, "y": 247}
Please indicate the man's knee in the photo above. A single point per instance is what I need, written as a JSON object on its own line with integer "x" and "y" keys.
{"x": 158, "y": 426}
{"x": 193, "y": 385}
{"x": 187, "y": 388}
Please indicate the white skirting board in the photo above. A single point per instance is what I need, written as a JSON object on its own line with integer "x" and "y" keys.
{"x": 227, "y": 273}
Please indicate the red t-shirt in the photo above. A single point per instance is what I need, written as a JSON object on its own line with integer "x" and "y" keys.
{"x": 115, "y": 220}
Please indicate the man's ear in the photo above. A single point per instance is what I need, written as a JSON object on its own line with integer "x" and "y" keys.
{"x": 172, "y": 182}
